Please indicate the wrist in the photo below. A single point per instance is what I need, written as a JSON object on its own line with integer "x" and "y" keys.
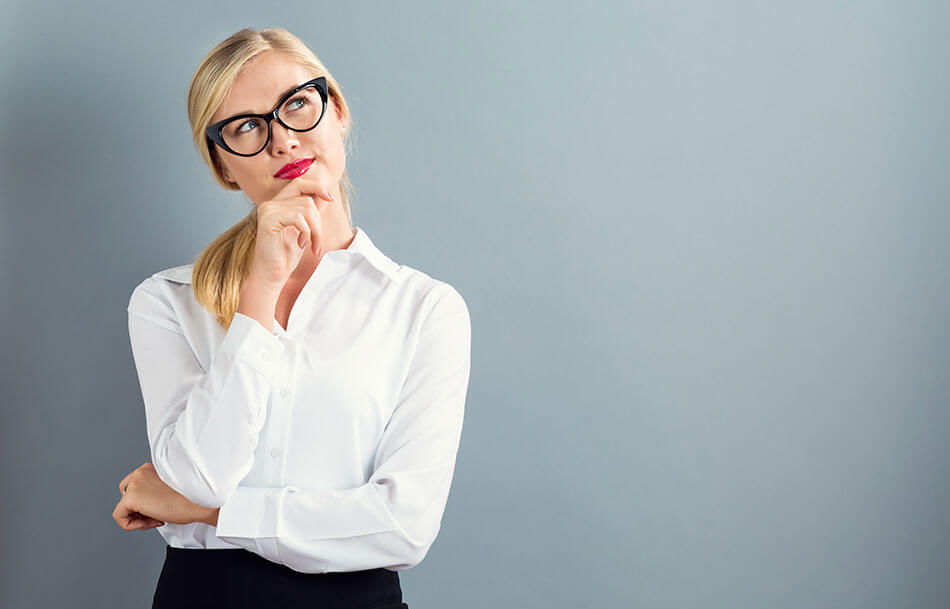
{"x": 210, "y": 516}
{"x": 256, "y": 287}
{"x": 258, "y": 300}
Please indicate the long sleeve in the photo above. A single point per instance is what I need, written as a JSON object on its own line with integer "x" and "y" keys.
{"x": 393, "y": 519}
{"x": 202, "y": 426}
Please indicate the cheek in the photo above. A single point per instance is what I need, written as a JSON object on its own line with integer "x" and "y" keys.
{"x": 260, "y": 174}
{"x": 336, "y": 153}
{"x": 242, "y": 170}
{"x": 329, "y": 152}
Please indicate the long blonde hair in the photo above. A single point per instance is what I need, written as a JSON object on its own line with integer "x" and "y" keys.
{"x": 220, "y": 270}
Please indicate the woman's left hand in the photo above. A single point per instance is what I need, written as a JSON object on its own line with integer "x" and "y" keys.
{"x": 147, "y": 502}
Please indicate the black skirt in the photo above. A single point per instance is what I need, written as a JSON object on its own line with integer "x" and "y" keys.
{"x": 238, "y": 579}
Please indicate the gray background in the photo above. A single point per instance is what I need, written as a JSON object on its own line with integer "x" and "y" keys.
{"x": 704, "y": 250}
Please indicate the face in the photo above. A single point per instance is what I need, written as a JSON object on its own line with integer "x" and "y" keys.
{"x": 258, "y": 88}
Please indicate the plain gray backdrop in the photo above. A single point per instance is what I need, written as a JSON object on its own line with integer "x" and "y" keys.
{"x": 704, "y": 247}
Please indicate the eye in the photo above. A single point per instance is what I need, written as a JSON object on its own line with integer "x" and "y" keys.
{"x": 303, "y": 100}
{"x": 240, "y": 128}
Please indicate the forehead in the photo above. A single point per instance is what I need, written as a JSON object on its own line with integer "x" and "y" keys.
{"x": 261, "y": 84}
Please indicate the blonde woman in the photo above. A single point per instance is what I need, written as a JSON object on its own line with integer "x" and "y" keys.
{"x": 304, "y": 393}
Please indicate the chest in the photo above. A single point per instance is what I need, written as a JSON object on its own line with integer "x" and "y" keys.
{"x": 333, "y": 391}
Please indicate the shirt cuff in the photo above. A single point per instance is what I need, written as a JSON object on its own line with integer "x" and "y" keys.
{"x": 249, "y": 341}
{"x": 250, "y": 512}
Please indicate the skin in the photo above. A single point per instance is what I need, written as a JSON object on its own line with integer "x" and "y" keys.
{"x": 147, "y": 502}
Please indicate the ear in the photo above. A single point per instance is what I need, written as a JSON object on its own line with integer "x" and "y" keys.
{"x": 339, "y": 115}
{"x": 220, "y": 166}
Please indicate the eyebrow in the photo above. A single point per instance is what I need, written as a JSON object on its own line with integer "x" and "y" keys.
{"x": 282, "y": 96}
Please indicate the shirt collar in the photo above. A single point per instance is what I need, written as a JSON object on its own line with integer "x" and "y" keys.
{"x": 365, "y": 247}
{"x": 361, "y": 245}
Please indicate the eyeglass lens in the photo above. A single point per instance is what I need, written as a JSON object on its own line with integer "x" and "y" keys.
{"x": 301, "y": 112}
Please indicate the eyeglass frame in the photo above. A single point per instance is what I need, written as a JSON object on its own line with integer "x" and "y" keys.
{"x": 213, "y": 132}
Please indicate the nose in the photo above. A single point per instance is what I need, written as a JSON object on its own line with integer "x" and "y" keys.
{"x": 282, "y": 140}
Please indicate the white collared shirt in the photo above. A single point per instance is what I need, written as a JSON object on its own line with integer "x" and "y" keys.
{"x": 328, "y": 446}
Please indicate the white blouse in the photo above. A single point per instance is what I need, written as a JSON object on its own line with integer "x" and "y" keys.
{"x": 328, "y": 446}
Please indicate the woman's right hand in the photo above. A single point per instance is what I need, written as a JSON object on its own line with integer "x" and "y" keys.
{"x": 286, "y": 226}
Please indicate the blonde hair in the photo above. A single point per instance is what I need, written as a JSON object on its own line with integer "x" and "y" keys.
{"x": 220, "y": 270}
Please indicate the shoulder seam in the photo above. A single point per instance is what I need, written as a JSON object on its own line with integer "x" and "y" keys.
{"x": 156, "y": 323}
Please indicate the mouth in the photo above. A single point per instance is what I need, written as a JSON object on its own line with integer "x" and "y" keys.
{"x": 292, "y": 170}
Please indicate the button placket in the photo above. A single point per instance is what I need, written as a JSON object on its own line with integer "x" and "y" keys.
{"x": 266, "y": 357}
{"x": 279, "y": 412}
{"x": 266, "y": 420}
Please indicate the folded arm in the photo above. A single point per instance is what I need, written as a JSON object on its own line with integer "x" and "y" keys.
{"x": 203, "y": 426}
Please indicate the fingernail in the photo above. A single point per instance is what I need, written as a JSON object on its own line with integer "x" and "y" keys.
{"x": 332, "y": 198}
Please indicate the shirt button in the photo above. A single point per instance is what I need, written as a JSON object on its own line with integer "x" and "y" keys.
{"x": 265, "y": 356}
{"x": 283, "y": 392}
{"x": 274, "y": 452}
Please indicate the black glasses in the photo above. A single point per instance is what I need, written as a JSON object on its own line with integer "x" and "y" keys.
{"x": 248, "y": 134}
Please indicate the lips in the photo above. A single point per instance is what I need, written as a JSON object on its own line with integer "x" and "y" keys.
{"x": 292, "y": 170}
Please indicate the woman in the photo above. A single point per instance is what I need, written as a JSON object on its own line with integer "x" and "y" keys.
{"x": 304, "y": 394}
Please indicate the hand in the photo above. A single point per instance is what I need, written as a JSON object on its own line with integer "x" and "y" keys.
{"x": 286, "y": 225}
{"x": 147, "y": 502}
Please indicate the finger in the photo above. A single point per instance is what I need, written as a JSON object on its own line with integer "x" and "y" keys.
{"x": 321, "y": 204}
{"x": 299, "y": 237}
{"x": 311, "y": 217}
{"x": 123, "y": 515}
{"x": 151, "y": 523}
{"x": 121, "y": 510}
{"x": 145, "y": 519}
{"x": 124, "y": 482}
{"x": 307, "y": 236}
{"x": 305, "y": 186}
{"x": 127, "y": 518}
{"x": 316, "y": 231}
{"x": 139, "y": 521}
{"x": 293, "y": 218}
{"x": 309, "y": 186}
{"x": 304, "y": 235}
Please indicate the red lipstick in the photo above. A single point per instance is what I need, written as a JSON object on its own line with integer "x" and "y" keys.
{"x": 292, "y": 170}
